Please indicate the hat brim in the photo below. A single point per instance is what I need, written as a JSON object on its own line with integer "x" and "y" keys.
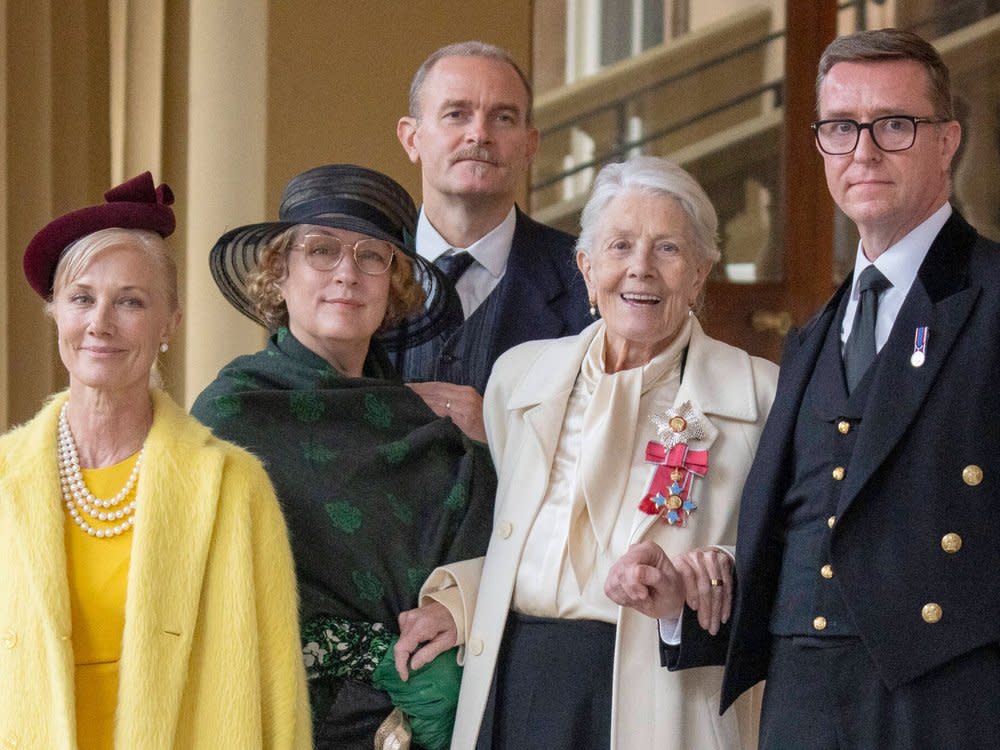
{"x": 235, "y": 258}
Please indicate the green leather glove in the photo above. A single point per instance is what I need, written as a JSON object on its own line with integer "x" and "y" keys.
{"x": 429, "y": 698}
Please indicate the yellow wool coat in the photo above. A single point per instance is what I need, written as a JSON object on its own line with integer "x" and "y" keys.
{"x": 210, "y": 649}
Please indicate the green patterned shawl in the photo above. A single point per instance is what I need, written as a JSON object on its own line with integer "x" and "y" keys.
{"x": 376, "y": 489}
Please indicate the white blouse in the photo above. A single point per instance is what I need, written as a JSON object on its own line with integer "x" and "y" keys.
{"x": 546, "y": 584}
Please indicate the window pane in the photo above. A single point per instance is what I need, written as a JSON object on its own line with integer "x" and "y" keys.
{"x": 697, "y": 82}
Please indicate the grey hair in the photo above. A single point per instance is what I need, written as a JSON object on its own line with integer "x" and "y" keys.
{"x": 655, "y": 176}
{"x": 892, "y": 44}
{"x": 466, "y": 49}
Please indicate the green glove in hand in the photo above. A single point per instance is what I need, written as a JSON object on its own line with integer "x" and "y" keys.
{"x": 429, "y": 698}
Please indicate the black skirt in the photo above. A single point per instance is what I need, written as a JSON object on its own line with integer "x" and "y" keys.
{"x": 552, "y": 686}
{"x": 351, "y": 717}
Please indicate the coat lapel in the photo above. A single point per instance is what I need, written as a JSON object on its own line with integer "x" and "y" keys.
{"x": 770, "y": 471}
{"x": 31, "y": 486}
{"x": 176, "y": 507}
{"x": 940, "y": 299}
{"x": 530, "y": 285}
{"x": 730, "y": 398}
{"x": 542, "y": 394}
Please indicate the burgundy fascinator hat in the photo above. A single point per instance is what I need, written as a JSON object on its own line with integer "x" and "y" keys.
{"x": 135, "y": 204}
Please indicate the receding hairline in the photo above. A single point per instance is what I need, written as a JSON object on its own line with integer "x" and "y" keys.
{"x": 472, "y": 49}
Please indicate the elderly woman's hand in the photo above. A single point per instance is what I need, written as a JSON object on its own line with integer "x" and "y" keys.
{"x": 708, "y": 585}
{"x": 460, "y": 402}
{"x": 424, "y": 633}
{"x": 645, "y": 580}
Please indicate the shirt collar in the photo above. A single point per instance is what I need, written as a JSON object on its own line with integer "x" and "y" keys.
{"x": 491, "y": 250}
{"x": 901, "y": 261}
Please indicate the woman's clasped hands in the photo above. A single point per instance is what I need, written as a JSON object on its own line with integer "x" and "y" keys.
{"x": 646, "y": 580}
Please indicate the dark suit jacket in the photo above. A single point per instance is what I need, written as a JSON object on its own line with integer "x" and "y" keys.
{"x": 542, "y": 294}
{"x": 903, "y": 490}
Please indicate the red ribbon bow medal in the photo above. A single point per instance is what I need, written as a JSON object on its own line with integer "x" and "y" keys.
{"x": 669, "y": 495}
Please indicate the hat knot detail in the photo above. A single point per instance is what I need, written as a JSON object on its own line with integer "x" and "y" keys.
{"x": 135, "y": 204}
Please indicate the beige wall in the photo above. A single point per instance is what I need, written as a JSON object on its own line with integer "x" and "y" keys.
{"x": 55, "y": 124}
{"x": 339, "y": 75}
{"x": 223, "y": 99}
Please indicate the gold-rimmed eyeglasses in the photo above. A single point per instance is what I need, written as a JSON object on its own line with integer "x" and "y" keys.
{"x": 889, "y": 133}
{"x": 325, "y": 251}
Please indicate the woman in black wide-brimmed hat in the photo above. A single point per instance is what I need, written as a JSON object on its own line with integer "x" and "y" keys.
{"x": 377, "y": 489}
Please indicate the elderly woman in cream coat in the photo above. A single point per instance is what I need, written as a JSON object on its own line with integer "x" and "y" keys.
{"x": 640, "y": 428}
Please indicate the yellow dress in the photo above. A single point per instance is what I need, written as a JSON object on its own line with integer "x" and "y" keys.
{"x": 98, "y": 577}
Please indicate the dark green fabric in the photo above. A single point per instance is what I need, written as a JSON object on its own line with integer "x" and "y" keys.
{"x": 376, "y": 489}
{"x": 429, "y": 698}
{"x": 344, "y": 649}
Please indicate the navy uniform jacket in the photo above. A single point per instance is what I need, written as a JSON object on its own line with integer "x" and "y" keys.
{"x": 542, "y": 296}
{"x": 926, "y": 465}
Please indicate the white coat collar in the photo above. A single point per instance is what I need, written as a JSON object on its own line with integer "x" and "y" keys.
{"x": 718, "y": 378}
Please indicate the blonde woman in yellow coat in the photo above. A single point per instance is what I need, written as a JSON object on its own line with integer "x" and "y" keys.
{"x": 163, "y": 615}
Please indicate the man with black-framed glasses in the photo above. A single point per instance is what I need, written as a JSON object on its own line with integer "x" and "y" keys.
{"x": 890, "y": 133}
{"x": 867, "y": 572}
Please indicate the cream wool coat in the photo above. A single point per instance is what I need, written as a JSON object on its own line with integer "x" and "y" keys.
{"x": 525, "y": 406}
{"x": 210, "y": 650}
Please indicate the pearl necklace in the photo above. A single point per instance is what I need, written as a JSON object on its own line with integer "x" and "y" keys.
{"x": 79, "y": 498}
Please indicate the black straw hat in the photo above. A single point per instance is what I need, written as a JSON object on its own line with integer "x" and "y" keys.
{"x": 341, "y": 196}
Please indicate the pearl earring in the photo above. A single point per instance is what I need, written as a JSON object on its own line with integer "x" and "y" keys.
{"x": 164, "y": 346}
{"x": 593, "y": 308}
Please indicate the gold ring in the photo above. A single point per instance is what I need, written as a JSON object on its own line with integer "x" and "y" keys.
{"x": 715, "y": 582}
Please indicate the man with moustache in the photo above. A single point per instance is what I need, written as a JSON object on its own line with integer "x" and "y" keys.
{"x": 469, "y": 128}
{"x": 866, "y": 585}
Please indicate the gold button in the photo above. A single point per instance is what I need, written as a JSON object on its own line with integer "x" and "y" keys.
{"x": 9, "y": 639}
{"x": 972, "y": 475}
{"x": 838, "y": 473}
{"x": 826, "y": 571}
{"x": 819, "y": 623}
{"x": 506, "y": 529}
{"x": 951, "y": 543}
{"x": 476, "y": 646}
{"x": 843, "y": 426}
{"x": 931, "y": 612}
{"x": 831, "y": 521}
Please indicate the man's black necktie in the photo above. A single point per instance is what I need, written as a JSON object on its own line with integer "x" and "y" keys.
{"x": 454, "y": 265}
{"x": 859, "y": 350}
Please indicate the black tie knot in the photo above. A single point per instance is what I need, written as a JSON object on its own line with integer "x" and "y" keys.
{"x": 871, "y": 279}
{"x": 454, "y": 265}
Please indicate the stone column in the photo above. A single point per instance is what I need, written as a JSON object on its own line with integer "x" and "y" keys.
{"x": 226, "y": 171}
